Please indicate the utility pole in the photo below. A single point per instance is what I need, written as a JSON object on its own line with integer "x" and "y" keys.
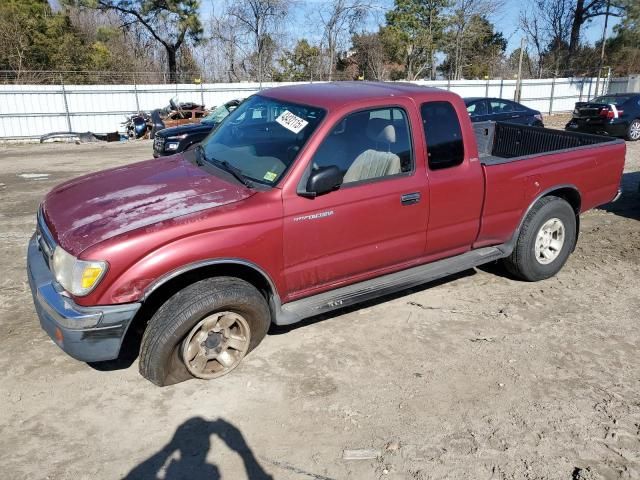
{"x": 604, "y": 37}
{"x": 518, "y": 93}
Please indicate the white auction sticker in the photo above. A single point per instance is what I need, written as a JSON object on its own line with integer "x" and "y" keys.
{"x": 291, "y": 122}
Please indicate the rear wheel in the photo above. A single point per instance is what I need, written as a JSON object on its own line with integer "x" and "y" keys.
{"x": 546, "y": 239}
{"x": 633, "y": 132}
{"x": 203, "y": 331}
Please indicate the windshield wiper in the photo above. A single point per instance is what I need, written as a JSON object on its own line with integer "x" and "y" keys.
{"x": 235, "y": 171}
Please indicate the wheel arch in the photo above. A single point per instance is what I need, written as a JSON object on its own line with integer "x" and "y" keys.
{"x": 166, "y": 286}
{"x": 567, "y": 192}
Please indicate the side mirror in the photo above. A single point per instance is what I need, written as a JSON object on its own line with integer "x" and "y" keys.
{"x": 323, "y": 180}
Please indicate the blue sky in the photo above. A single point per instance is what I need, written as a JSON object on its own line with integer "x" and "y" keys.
{"x": 506, "y": 21}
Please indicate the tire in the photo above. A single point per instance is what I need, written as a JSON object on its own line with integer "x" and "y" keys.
{"x": 164, "y": 342}
{"x": 633, "y": 131}
{"x": 533, "y": 263}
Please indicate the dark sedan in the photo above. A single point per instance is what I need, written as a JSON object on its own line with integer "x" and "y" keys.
{"x": 500, "y": 110}
{"x": 616, "y": 115}
{"x": 185, "y": 137}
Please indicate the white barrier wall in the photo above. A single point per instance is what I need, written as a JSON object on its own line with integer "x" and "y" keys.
{"x": 28, "y": 111}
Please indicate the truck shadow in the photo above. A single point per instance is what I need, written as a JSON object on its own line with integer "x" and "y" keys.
{"x": 185, "y": 456}
{"x": 628, "y": 205}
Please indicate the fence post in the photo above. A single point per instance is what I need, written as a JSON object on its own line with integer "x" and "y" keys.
{"x": 135, "y": 91}
{"x": 590, "y": 84}
{"x": 201, "y": 92}
{"x": 448, "y": 84}
{"x": 553, "y": 86}
{"x": 581, "y": 88}
{"x": 486, "y": 89}
{"x": 66, "y": 104}
{"x": 501, "y": 83}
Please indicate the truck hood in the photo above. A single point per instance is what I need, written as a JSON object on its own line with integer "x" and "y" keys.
{"x": 95, "y": 207}
{"x": 189, "y": 129}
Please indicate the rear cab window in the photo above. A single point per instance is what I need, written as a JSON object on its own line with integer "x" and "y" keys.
{"x": 443, "y": 135}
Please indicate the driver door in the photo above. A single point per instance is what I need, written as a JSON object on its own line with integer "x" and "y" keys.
{"x": 375, "y": 222}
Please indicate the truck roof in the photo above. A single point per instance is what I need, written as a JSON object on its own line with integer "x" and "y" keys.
{"x": 337, "y": 94}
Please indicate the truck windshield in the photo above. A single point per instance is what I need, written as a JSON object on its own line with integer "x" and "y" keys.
{"x": 261, "y": 138}
{"x": 217, "y": 115}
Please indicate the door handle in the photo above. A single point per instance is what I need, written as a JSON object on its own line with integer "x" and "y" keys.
{"x": 410, "y": 198}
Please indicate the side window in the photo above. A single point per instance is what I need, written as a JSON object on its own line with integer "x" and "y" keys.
{"x": 367, "y": 145}
{"x": 498, "y": 106}
{"x": 477, "y": 108}
{"x": 199, "y": 114}
{"x": 443, "y": 134}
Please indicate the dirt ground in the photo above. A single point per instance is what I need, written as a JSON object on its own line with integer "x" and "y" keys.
{"x": 474, "y": 377}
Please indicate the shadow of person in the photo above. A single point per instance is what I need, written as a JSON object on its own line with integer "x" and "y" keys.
{"x": 185, "y": 456}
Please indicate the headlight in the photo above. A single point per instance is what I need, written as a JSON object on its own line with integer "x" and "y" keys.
{"x": 78, "y": 277}
{"x": 171, "y": 146}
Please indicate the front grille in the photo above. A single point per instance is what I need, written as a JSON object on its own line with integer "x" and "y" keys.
{"x": 45, "y": 240}
{"x": 158, "y": 144}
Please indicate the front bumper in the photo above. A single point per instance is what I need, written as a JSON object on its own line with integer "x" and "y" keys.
{"x": 89, "y": 334}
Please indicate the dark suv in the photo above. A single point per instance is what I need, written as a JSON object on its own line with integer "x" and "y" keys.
{"x": 185, "y": 137}
{"x": 617, "y": 115}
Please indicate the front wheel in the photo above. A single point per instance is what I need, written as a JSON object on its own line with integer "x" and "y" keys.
{"x": 633, "y": 132}
{"x": 546, "y": 239}
{"x": 203, "y": 331}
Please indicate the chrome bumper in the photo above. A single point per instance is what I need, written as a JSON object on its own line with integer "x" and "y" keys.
{"x": 89, "y": 334}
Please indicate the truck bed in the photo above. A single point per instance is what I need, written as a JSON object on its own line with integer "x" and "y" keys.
{"x": 501, "y": 142}
{"x": 520, "y": 163}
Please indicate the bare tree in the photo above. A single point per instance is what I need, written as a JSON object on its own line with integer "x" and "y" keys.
{"x": 460, "y": 23}
{"x": 370, "y": 55}
{"x": 531, "y": 26}
{"x": 227, "y": 49}
{"x": 260, "y": 19}
{"x": 340, "y": 18}
{"x": 14, "y": 45}
{"x": 547, "y": 25}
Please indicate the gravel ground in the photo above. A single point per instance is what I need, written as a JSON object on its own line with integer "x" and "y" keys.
{"x": 476, "y": 376}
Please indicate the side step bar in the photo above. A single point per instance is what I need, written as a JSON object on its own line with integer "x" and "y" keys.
{"x": 297, "y": 310}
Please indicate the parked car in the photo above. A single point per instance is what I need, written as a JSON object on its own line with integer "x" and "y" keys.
{"x": 175, "y": 114}
{"x": 617, "y": 115}
{"x": 500, "y": 110}
{"x": 177, "y": 139}
{"x": 306, "y": 199}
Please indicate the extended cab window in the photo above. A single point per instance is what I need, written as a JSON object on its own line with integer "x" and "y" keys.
{"x": 443, "y": 134}
{"x": 367, "y": 145}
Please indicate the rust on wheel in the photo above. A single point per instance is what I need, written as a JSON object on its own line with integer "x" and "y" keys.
{"x": 216, "y": 345}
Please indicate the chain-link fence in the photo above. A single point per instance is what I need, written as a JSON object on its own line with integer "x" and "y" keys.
{"x": 31, "y": 110}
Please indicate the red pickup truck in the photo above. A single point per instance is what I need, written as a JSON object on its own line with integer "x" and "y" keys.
{"x": 306, "y": 199}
